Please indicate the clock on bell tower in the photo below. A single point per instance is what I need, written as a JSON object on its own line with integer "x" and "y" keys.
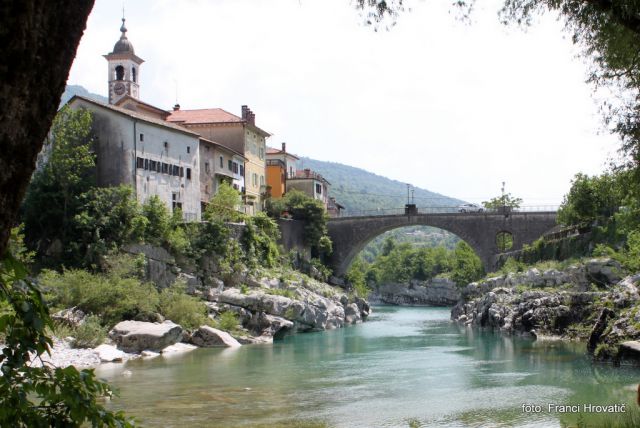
{"x": 124, "y": 69}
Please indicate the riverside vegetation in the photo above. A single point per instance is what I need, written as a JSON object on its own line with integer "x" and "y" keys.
{"x": 87, "y": 251}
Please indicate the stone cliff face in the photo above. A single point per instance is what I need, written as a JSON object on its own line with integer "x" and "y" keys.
{"x": 589, "y": 300}
{"x": 436, "y": 292}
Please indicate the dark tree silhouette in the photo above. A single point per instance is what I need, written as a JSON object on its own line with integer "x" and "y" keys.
{"x": 38, "y": 42}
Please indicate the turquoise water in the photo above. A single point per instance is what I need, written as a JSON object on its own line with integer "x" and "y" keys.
{"x": 403, "y": 365}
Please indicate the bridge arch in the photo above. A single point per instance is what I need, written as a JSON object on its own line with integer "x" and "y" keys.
{"x": 351, "y": 234}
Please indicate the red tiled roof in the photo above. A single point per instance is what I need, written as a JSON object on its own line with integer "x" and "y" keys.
{"x": 272, "y": 151}
{"x": 207, "y": 115}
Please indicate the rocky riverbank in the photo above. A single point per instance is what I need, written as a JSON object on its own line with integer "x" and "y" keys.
{"x": 592, "y": 300}
{"x": 435, "y": 292}
{"x": 264, "y": 308}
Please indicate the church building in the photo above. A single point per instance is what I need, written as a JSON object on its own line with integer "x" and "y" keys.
{"x": 135, "y": 145}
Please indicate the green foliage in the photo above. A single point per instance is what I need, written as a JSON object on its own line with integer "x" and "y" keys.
{"x": 311, "y": 211}
{"x": 41, "y": 396}
{"x": 114, "y": 296}
{"x": 224, "y": 205}
{"x": 591, "y": 198}
{"x": 158, "y": 220}
{"x": 107, "y": 219}
{"x": 228, "y": 321}
{"x": 188, "y": 311}
{"x": 466, "y": 265}
{"x": 401, "y": 263}
{"x": 52, "y": 198}
{"x": 512, "y": 266}
{"x": 90, "y": 333}
{"x": 260, "y": 241}
{"x": 502, "y": 201}
{"x": 356, "y": 277}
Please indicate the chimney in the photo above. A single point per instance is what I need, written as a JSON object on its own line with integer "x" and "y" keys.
{"x": 284, "y": 147}
{"x": 176, "y": 107}
{"x": 307, "y": 172}
{"x": 252, "y": 118}
{"x": 245, "y": 111}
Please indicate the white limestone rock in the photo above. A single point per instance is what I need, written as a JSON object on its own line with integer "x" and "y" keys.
{"x": 208, "y": 337}
{"x": 137, "y": 336}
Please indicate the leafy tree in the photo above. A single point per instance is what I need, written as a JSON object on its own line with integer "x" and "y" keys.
{"x": 591, "y": 198}
{"x": 224, "y": 205}
{"x": 505, "y": 200}
{"x": 109, "y": 218}
{"x": 312, "y": 212}
{"x": 32, "y": 396}
{"x": 53, "y": 198}
{"x": 467, "y": 267}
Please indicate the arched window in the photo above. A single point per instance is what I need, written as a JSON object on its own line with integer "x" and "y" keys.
{"x": 133, "y": 74}
{"x": 119, "y": 72}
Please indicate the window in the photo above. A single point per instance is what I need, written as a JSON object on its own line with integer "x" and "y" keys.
{"x": 140, "y": 162}
{"x": 176, "y": 170}
{"x": 262, "y": 180}
{"x": 146, "y": 164}
{"x": 319, "y": 188}
{"x": 221, "y": 162}
{"x": 206, "y": 167}
{"x": 235, "y": 186}
{"x": 242, "y": 170}
{"x": 188, "y": 173}
{"x": 119, "y": 72}
{"x": 181, "y": 171}
{"x": 133, "y": 74}
{"x": 188, "y": 149}
{"x": 152, "y": 165}
{"x": 159, "y": 166}
{"x": 230, "y": 165}
{"x": 261, "y": 153}
{"x": 166, "y": 145}
{"x": 235, "y": 167}
{"x": 165, "y": 168}
{"x": 254, "y": 179}
{"x": 141, "y": 137}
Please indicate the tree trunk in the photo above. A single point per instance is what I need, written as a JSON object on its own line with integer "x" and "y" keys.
{"x": 38, "y": 42}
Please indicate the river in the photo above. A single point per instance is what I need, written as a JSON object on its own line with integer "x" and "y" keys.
{"x": 403, "y": 367}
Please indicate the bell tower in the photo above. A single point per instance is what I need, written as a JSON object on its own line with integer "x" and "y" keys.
{"x": 124, "y": 69}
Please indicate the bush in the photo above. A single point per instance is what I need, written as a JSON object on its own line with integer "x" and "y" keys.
{"x": 89, "y": 334}
{"x": 228, "y": 321}
{"x": 179, "y": 307}
{"x": 114, "y": 296}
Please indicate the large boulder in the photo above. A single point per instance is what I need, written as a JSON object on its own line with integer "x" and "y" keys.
{"x": 208, "y": 337}
{"x": 352, "y": 314}
{"x": 269, "y": 325}
{"x": 136, "y": 336}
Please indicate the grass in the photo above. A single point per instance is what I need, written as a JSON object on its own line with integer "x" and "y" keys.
{"x": 291, "y": 294}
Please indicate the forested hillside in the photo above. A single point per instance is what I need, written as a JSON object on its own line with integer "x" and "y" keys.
{"x": 360, "y": 190}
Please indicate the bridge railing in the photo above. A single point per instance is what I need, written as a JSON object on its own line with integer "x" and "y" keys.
{"x": 448, "y": 210}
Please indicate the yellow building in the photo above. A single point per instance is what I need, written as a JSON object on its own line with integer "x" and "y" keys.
{"x": 238, "y": 133}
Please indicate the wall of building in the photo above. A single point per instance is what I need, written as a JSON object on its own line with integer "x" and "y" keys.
{"x": 123, "y": 157}
{"x": 276, "y": 180}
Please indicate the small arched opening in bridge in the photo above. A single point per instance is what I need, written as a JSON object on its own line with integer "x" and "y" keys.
{"x": 479, "y": 230}
{"x": 504, "y": 241}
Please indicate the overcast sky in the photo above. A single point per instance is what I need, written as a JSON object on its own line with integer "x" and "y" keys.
{"x": 450, "y": 107}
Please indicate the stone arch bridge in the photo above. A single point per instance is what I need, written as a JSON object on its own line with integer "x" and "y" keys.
{"x": 479, "y": 230}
